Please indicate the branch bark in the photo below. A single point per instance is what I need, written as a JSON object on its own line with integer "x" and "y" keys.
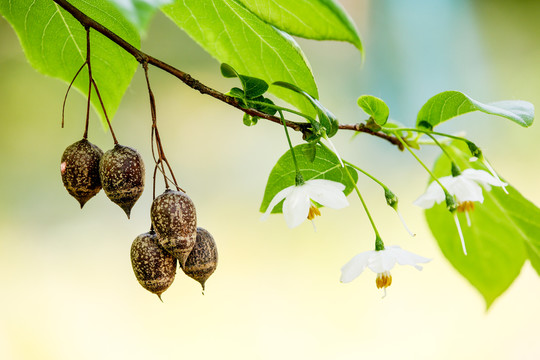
{"x": 187, "y": 79}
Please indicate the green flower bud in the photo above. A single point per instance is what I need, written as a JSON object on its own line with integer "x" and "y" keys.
{"x": 391, "y": 198}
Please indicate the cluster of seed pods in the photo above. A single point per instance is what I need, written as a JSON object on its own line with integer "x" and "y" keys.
{"x": 174, "y": 237}
{"x": 120, "y": 172}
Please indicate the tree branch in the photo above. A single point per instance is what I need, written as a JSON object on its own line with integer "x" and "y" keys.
{"x": 187, "y": 79}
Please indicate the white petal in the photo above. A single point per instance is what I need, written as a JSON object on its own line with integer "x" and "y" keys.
{"x": 404, "y": 257}
{"x": 355, "y": 266}
{"x": 323, "y": 183}
{"x": 381, "y": 261}
{"x": 482, "y": 177}
{"x": 296, "y": 206}
{"x": 434, "y": 194}
{"x": 279, "y": 196}
{"x": 466, "y": 190}
{"x": 327, "y": 193}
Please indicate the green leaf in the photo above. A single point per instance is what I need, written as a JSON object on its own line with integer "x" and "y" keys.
{"x": 324, "y": 164}
{"x": 326, "y": 118}
{"x": 139, "y": 12}
{"x": 311, "y": 19}
{"x": 252, "y": 86}
{"x": 250, "y": 120}
{"x": 449, "y": 104}
{"x": 504, "y": 229}
{"x": 264, "y": 108}
{"x": 234, "y": 35}
{"x": 55, "y": 44}
{"x": 374, "y": 107}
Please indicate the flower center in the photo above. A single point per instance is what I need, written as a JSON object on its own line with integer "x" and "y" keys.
{"x": 313, "y": 211}
{"x": 383, "y": 280}
{"x": 465, "y": 206}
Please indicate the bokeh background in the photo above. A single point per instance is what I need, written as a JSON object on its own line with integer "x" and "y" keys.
{"x": 67, "y": 287}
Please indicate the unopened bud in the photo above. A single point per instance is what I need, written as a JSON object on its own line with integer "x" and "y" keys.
{"x": 475, "y": 151}
{"x": 455, "y": 170}
{"x": 391, "y": 199}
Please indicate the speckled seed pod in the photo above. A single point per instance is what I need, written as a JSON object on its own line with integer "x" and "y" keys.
{"x": 175, "y": 222}
{"x": 80, "y": 170}
{"x": 122, "y": 175}
{"x": 153, "y": 266}
{"x": 202, "y": 261}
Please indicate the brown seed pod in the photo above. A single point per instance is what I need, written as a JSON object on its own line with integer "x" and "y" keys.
{"x": 202, "y": 261}
{"x": 175, "y": 221}
{"x": 122, "y": 175}
{"x": 153, "y": 266}
{"x": 80, "y": 170}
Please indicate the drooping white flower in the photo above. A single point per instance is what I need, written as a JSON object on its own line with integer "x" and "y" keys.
{"x": 380, "y": 262}
{"x": 298, "y": 204}
{"x": 467, "y": 188}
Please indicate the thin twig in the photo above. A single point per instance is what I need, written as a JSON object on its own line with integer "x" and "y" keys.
{"x": 69, "y": 88}
{"x": 85, "y": 135}
{"x": 105, "y": 112}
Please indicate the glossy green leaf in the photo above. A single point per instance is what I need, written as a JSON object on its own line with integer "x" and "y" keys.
{"x": 449, "y": 104}
{"x": 252, "y": 86}
{"x": 326, "y": 118}
{"x": 139, "y": 12}
{"x": 55, "y": 44}
{"x": 374, "y": 107}
{"x": 314, "y": 163}
{"x": 312, "y": 19}
{"x": 504, "y": 230}
{"x": 234, "y": 35}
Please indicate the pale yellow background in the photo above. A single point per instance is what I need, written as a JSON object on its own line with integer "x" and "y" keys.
{"x": 67, "y": 287}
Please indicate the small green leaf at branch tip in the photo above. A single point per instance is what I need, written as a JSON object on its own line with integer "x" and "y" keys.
{"x": 250, "y": 120}
{"x": 253, "y": 87}
{"x": 449, "y": 104}
{"x": 325, "y": 165}
{"x": 228, "y": 71}
{"x": 375, "y": 108}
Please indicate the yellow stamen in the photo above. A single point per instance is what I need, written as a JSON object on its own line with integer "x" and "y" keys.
{"x": 465, "y": 206}
{"x": 313, "y": 211}
{"x": 383, "y": 280}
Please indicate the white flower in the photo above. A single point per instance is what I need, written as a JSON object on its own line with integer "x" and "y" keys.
{"x": 380, "y": 262}
{"x": 298, "y": 204}
{"x": 466, "y": 187}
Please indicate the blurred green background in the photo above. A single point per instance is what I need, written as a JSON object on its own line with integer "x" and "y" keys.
{"x": 68, "y": 290}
